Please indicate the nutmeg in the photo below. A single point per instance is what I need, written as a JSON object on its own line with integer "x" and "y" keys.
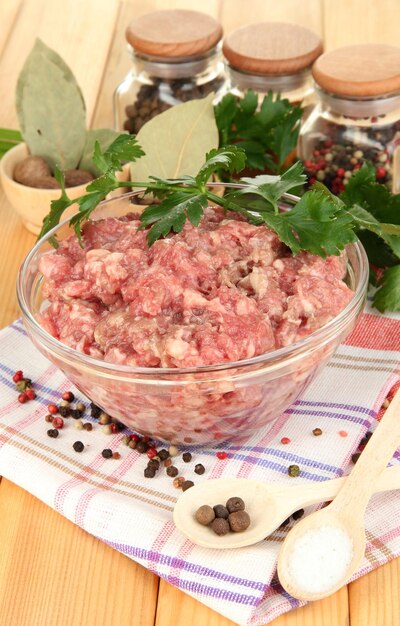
{"x": 30, "y": 169}
{"x": 73, "y": 178}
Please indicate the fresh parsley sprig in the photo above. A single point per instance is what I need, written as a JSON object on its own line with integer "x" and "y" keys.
{"x": 267, "y": 134}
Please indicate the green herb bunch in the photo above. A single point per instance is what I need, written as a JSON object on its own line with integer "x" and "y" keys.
{"x": 318, "y": 222}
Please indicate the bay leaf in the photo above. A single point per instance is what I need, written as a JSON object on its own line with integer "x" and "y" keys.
{"x": 105, "y": 137}
{"x": 50, "y": 108}
{"x": 176, "y": 141}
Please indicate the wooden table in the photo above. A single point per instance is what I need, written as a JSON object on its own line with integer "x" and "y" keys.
{"x": 51, "y": 572}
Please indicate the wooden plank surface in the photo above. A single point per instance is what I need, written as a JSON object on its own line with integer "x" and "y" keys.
{"x": 51, "y": 572}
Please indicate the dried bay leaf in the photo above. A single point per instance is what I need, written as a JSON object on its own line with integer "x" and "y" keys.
{"x": 175, "y": 142}
{"x": 51, "y": 109}
{"x": 105, "y": 137}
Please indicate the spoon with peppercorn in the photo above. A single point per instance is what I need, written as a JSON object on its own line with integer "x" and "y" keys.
{"x": 268, "y": 505}
{"x": 322, "y": 551}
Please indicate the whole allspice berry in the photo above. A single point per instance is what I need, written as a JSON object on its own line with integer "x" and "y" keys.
{"x": 221, "y": 511}
{"x": 235, "y": 504}
{"x": 220, "y": 526}
{"x": 205, "y": 515}
{"x": 239, "y": 521}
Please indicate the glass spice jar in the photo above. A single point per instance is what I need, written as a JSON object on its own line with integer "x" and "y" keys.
{"x": 176, "y": 57}
{"x": 272, "y": 56}
{"x": 357, "y": 117}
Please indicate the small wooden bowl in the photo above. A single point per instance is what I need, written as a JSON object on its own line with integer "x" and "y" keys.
{"x": 30, "y": 203}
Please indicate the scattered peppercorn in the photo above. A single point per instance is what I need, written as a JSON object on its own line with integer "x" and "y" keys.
{"x": 199, "y": 468}
{"x": 239, "y": 521}
{"x": 114, "y": 428}
{"x": 95, "y": 411}
{"x": 58, "y": 422}
{"x": 18, "y": 376}
{"x": 298, "y": 514}
{"x": 222, "y": 455}
{"x": 22, "y": 398}
{"x": 168, "y": 462}
{"x": 132, "y": 444}
{"x": 149, "y": 472}
{"x": 163, "y": 454}
{"x": 53, "y": 432}
{"x": 235, "y": 504}
{"x": 88, "y": 426}
{"x": 186, "y": 457}
{"x": 107, "y": 453}
{"x": 151, "y": 452}
{"x": 142, "y": 446}
{"x": 317, "y": 432}
{"x": 220, "y": 526}
{"x": 116, "y": 455}
{"x": 48, "y": 418}
{"x": 78, "y": 424}
{"x": 78, "y": 446}
{"x": 285, "y": 440}
{"x": 23, "y": 384}
{"x": 221, "y": 511}
{"x": 76, "y": 413}
{"x": 172, "y": 471}
{"x": 68, "y": 396}
{"x": 30, "y": 394}
{"x": 187, "y": 484}
{"x": 294, "y": 471}
{"x": 205, "y": 515}
{"x": 154, "y": 463}
{"x": 178, "y": 482}
{"x": 107, "y": 429}
{"x": 104, "y": 418}
{"x": 173, "y": 451}
{"x": 64, "y": 411}
{"x": 52, "y": 408}
{"x": 80, "y": 407}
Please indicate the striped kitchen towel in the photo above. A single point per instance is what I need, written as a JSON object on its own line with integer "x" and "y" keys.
{"x": 111, "y": 500}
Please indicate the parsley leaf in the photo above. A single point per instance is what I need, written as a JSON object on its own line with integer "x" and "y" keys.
{"x": 388, "y": 295}
{"x": 267, "y": 135}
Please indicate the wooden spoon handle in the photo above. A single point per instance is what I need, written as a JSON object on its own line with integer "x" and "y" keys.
{"x": 362, "y": 481}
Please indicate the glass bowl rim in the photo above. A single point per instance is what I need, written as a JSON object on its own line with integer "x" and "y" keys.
{"x": 266, "y": 358}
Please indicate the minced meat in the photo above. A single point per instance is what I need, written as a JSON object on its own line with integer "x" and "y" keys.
{"x": 224, "y": 291}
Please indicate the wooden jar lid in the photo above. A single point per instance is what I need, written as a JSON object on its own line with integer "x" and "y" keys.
{"x": 360, "y": 70}
{"x": 174, "y": 33}
{"x": 272, "y": 48}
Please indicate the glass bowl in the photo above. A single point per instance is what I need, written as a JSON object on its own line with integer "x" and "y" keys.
{"x": 209, "y": 404}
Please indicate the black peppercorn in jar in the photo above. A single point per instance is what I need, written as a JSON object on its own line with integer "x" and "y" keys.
{"x": 176, "y": 58}
{"x": 272, "y": 56}
{"x": 357, "y": 117}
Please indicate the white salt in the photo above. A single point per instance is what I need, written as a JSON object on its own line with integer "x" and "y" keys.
{"x": 320, "y": 559}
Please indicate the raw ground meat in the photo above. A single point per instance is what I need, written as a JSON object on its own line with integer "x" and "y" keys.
{"x": 225, "y": 291}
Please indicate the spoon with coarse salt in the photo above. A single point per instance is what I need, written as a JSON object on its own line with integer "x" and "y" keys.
{"x": 323, "y": 551}
{"x": 268, "y": 504}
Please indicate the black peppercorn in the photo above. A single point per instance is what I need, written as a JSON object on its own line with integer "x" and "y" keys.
{"x": 163, "y": 454}
{"x": 205, "y": 515}
{"x": 107, "y": 453}
{"x": 294, "y": 471}
{"x": 355, "y": 457}
{"x": 187, "y": 484}
{"x": 76, "y": 413}
{"x": 154, "y": 463}
{"x": 172, "y": 471}
{"x": 142, "y": 446}
{"x": 187, "y": 457}
{"x": 221, "y": 511}
{"x": 64, "y": 411}
{"x": 199, "y": 469}
{"x": 95, "y": 410}
{"x": 149, "y": 472}
{"x": 78, "y": 446}
{"x": 53, "y": 432}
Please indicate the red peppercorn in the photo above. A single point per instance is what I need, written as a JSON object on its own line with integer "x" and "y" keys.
{"x": 308, "y": 164}
{"x": 222, "y": 455}
{"x": 151, "y": 452}
{"x": 135, "y": 437}
{"x": 68, "y": 396}
{"x": 31, "y": 394}
{"x": 22, "y": 398}
{"x": 285, "y": 440}
{"x": 340, "y": 172}
{"x": 114, "y": 428}
{"x": 52, "y": 408}
{"x": 18, "y": 376}
{"x": 380, "y": 172}
{"x": 57, "y": 422}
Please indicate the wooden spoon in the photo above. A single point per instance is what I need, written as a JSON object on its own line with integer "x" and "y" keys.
{"x": 323, "y": 551}
{"x": 268, "y": 505}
